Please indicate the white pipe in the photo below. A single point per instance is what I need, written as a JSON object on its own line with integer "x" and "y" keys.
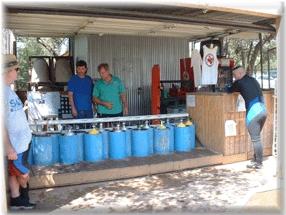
{"x": 110, "y": 119}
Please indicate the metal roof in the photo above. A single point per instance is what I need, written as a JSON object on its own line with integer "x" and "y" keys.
{"x": 145, "y": 20}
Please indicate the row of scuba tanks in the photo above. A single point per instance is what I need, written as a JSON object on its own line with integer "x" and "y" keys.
{"x": 118, "y": 143}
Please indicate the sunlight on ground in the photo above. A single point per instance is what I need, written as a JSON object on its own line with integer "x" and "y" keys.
{"x": 216, "y": 189}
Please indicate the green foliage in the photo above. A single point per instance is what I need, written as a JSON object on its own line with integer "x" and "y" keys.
{"x": 244, "y": 50}
{"x": 31, "y": 46}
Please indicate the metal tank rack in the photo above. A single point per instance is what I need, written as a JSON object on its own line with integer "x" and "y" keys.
{"x": 50, "y": 123}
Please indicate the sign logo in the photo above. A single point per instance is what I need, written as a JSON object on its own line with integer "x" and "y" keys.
{"x": 186, "y": 76}
{"x": 209, "y": 60}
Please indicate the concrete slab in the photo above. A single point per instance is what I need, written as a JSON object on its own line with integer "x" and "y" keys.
{"x": 62, "y": 175}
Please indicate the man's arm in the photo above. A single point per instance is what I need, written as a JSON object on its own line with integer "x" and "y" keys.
{"x": 99, "y": 102}
{"x": 124, "y": 103}
{"x": 232, "y": 88}
{"x": 10, "y": 151}
{"x": 71, "y": 101}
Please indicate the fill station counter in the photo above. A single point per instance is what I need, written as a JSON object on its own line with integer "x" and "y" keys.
{"x": 220, "y": 123}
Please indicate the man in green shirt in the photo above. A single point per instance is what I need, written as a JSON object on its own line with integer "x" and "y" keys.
{"x": 109, "y": 94}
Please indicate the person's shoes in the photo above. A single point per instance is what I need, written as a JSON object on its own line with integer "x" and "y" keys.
{"x": 24, "y": 192}
{"x": 253, "y": 160}
{"x": 254, "y": 165}
{"x": 20, "y": 203}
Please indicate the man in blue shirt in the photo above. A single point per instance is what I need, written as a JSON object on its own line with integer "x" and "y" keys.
{"x": 80, "y": 92}
{"x": 109, "y": 94}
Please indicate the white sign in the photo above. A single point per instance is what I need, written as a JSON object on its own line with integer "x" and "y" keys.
{"x": 230, "y": 128}
{"x": 191, "y": 101}
{"x": 240, "y": 104}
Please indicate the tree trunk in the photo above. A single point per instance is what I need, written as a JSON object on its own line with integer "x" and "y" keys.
{"x": 255, "y": 54}
{"x": 249, "y": 53}
{"x": 50, "y": 49}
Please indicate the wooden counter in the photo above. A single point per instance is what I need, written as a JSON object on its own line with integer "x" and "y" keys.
{"x": 210, "y": 112}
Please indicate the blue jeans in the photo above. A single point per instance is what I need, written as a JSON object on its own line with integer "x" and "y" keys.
{"x": 84, "y": 114}
{"x": 254, "y": 129}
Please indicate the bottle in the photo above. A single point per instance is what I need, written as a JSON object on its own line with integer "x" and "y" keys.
{"x": 181, "y": 124}
{"x": 188, "y": 122}
{"x": 101, "y": 129}
{"x": 117, "y": 128}
{"x": 146, "y": 124}
{"x": 123, "y": 126}
{"x": 69, "y": 131}
{"x": 93, "y": 130}
{"x": 162, "y": 126}
{"x": 168, "y": 122}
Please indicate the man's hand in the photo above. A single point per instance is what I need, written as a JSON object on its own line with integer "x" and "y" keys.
{"x": 11, "y": 153}
{"x": 125, "y": 111}
{"x": 74, "y": 112}
{"x": 108, "y": 105}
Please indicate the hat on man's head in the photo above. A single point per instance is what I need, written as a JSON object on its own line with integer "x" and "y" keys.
{"x": 9, "y": 62}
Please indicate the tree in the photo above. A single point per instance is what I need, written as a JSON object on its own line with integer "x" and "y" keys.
{"x": 247, "y": 52}
{"x": 31, "y": 46}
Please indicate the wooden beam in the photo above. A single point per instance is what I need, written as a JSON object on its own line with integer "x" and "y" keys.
{"x": 121, "y": 14}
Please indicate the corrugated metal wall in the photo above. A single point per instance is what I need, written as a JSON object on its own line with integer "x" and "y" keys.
{"x": 7, "y": 41}
{"x": 131, "y": 58}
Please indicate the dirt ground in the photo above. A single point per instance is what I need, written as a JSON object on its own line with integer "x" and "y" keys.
{"x": 222, "y": 188}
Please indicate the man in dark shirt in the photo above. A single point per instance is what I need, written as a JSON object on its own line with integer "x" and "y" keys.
{"x": 80, "y": 92}
{"x": 255, "y": 110}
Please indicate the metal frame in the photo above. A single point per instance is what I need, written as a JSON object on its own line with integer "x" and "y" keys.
{"x": 268, "y": 63}
{"x": 110, "y": 119}
{"x": 261, "y": 60}
{"x": 123, "y": 14}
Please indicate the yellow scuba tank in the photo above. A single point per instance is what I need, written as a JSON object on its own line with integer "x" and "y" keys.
{"x": 181, "y": 124}
{"x": 188, "y": 122}
{"x": 93, "y": 130}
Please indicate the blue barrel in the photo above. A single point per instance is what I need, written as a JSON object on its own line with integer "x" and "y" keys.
{"x": 193, "y": 136}
{"x": 161, "y": 141}
{"x": 30, "y": 159}
{"x": 140, "y": 142}
{"x": 56, "y": 148}
{"x": 128, "y": 142}
{"x": 93, "y": 147}
{"x": 117, "y": 149}
{"x": 183, "y": 139}
{"x": 151, "y": 140}
{"x": 43, "y": 150}
{"x": 105, "y": 140}
{"x": 68, "y": 149}
{"x": 171, "y": 136}
{"x": 80, "y": 150}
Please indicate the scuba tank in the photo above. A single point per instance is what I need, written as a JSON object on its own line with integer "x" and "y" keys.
{"x": 93, "y": 130}
{"x": 162, "y": 126}
{"x": 181, "y": 124}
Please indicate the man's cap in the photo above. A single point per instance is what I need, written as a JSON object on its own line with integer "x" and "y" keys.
{"x": 9, "y": 62}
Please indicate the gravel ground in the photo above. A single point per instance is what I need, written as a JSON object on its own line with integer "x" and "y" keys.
{"x": 222, "y": 188}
